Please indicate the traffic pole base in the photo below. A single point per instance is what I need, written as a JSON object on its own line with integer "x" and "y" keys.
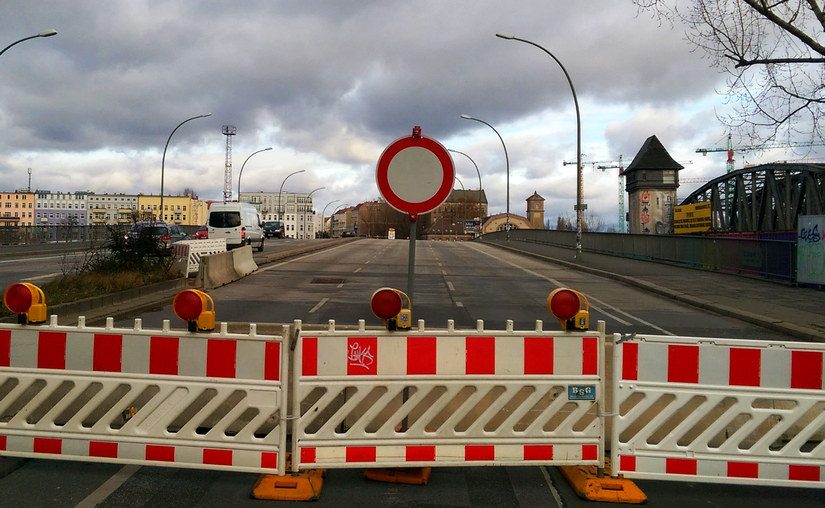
{"x": 406, "y": 475}
{"x": 303, "y": 486}
{"x": 588, "y": 485}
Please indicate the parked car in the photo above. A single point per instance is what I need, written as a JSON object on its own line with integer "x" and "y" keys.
{"x": 274, "y": 229}
{"x": 239, "y": 223}
{"x": 347, "y": 233}
{"x": 166, "y": 234}
{"x": 202, "y": 233}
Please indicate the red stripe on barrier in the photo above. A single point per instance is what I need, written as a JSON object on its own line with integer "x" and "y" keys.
{"x": 538, "y": 452}
{"x": 804, "y": 473}
{"x": 272, "y": 361}
{"x": 479, "y": 452}
{"x": 538, "y": 355}
{"x": 420, "y": 453}
{"x": 3, "y": 443}
{"x": 680, "y": 466}
{"x": 108, "y": 351}
{"x": 221, "y": 355}
{"x": 101, "y": 449}
{"x": 309, "y": 357}
{"x": 590, "y": 452}
{"x": 5, "y": 348}
{"x": 217, "y": 457}
{"x": 160, "y": 453}
{"x": 308, "y": 456}
{"x": 360, "y": 454}
{"x": 682, "y": 364}
{"x": 590, "y": 356}
{"x": 51, "y": 350}
{"x": 421, "y": 355}
{"x": 480, "y": 355}
{"x": 627, "y": 462}
{"x": 743, "y": 470}
{"x": 47, "y": 445}
{"x": 163, "y": 355}
{"x": 362, "y": 356}
{"x": 745, "y": 367}
{"x": 630, "y": 361}
{"x": 806, "y": 369}
{"x": 269, "y": 460}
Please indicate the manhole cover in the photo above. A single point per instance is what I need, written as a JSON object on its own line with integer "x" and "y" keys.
{"x": 327, "y": 280}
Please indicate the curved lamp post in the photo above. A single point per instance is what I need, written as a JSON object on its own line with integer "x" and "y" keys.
{"x": 280, "y": 213}
{"x": 459, "y": 182}
{"x": 44, "y": 33}
{"x": 474, "y": 164}
{"x": 332, "y": 217}
{"x": 163, "y": 160}
{"x": 309, "y": 198}
{"x": 579, "y": 185}
{"x": 507, "y": 161}
{"x": 244, "y": 164}
{"x": 324, "y": 212}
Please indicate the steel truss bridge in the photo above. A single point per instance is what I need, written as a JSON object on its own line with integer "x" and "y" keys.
{"x": 767, "y": 197}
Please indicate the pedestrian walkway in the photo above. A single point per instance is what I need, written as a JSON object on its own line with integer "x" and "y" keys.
{"x": 796, "y": 311}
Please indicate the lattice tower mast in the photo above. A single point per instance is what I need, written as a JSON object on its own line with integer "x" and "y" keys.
{"x": 228, "y": 131}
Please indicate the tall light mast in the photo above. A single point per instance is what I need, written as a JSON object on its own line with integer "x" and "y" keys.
{"x": 228, "y": 131}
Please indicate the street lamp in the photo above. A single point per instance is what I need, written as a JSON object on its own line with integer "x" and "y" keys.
{"x": 324, "y": 213}
{"x": 474, "y": 164}
{"x": 163, "y": 160}
{"x": 507, "y": 161}
{"x": 332, "y": 217}
{"x": 280, "y": 212}
{"x": 244, "y": 164}
{"x": 459, "y": 182}
{"x": 44, "y": 33}
{"x": 309, "y": 199}
{"x": 579, "y": 184}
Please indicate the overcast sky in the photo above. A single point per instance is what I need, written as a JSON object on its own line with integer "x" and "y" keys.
{"x": 329, "y": 84}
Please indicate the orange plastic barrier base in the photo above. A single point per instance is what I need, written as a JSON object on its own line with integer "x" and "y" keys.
{"x": 407, "y": 475}
{"x": 587, "y": 484}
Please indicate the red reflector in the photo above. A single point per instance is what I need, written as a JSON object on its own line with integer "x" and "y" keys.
{"x": 385, "y": 303}
{"x": 18, "y": 298}
{"x": 243, "y": 232}
{"x": 188, "y": 305}
{"x": 564, "y": 304}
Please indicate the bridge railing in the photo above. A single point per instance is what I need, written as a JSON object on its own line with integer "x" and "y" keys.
{"x": 770, "y": 259}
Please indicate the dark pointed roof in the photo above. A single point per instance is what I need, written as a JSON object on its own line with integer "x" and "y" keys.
{"x": 653, "y": 155}
{"x": 535, "y": 196}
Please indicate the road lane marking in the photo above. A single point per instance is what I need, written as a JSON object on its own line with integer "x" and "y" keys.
{"x": 551, "y": 486}
{"x": 358, "y": 269}
{"x": 450, "y": 286}
{"x": 559, "y": 284}
{"x": 39, "y": 277}
{"x": 29, "y": 259}
{"x": 260, "y": 270}
{"x": 340, "y": 285}
{"x": 318, "y": 305}
{"x": 108, "y": 487}
{"x": 459, "y": 304}
{"x": 444, "y": 273}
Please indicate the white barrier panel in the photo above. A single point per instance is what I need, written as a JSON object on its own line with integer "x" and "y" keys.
{"x": 719, "y": 410}
{"x": 151, "y": 397}
{"x": 193, "y": 250}
{"x": 444, "y": 397}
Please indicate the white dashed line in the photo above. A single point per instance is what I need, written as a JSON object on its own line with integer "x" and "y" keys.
{"x": 459, "y": 304}
{"x": 450, "y": 286}
{"x": 318, "y": 305}
{"x": 108, "y": 487}
{"x": 39, "y": 277}
{"x": 357, "y": 269}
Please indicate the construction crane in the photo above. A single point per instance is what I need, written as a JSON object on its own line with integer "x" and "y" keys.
{"x": 620, "y": 165}
{"x": 729, "y": 149}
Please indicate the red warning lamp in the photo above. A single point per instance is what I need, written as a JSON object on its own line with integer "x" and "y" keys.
{"x": 388, "y": 304}
{"x": 27, "y": 301}
{"x": 196, "y": 308}
{"x": 570, "y": 307}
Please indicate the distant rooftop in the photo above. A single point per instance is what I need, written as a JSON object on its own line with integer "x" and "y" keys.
{"x": 653, "y": 155}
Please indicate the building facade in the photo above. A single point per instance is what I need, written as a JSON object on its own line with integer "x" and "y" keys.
{"x": 184, "y": 210}
{"x": 61, "y": 208}
{"x": 294, "y": 209}
{"x": 535, "y": 210}
{"x": 17, "y": 208}
{"x": 651, "y": 183}
{"x": 112, "y": 209}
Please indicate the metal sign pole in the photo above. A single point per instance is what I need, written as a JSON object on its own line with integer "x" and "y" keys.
{"x": 411, "y": 261}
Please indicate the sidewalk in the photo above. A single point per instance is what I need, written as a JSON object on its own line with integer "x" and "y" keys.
{"x": 796, "y": 311}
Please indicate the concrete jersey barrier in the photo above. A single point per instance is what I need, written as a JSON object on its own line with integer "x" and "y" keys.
{"x": 243, "y": 262}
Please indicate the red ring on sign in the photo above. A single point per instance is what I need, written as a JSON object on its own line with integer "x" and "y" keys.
{"x": 399, "y": 203}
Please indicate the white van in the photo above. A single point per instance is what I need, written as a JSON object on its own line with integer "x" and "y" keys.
{"x": 239, "y": 223}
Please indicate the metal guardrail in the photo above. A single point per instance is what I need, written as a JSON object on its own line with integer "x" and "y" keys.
{"x": 33, "y": 235}
{"x": 770, "y": 259}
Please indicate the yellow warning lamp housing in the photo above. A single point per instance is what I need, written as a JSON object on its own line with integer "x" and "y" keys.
{"x": 570, "y": 307}
{"x": 196, "y": 308}
{"x": 27, "y": 301}
{"x": 388, "y": 304}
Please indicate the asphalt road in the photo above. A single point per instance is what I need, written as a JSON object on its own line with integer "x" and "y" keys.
{"x": 460, "y": 281}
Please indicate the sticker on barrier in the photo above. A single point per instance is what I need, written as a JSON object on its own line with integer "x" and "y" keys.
{"x": 155, "y": 397}
{"x": 447, "y": 397}
{"x": 719, "y": 410}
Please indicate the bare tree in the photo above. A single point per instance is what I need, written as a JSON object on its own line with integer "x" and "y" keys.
{"x": 774, "y": 54}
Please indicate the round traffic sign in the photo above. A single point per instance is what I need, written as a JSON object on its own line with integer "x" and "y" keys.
{"x": 415, "y": 174}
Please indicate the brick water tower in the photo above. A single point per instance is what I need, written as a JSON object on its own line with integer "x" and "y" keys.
{"x": 651, "y": 183}
{"x": 535, "y": 211}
